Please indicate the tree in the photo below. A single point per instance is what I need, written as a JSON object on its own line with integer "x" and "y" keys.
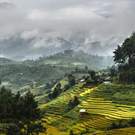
{"x": 126, "y": 52}
{"x": 71, "y": 132}
{"x": 56, "y": 92}
{"x": 132, "y": 122}
{"x": 13, "y": 130}
{"x": 73, "y": 103}
{"x": 129, "y": 49}
{"x": 124, "y": 56}
{"x": 6, "y": 101}
{"x": 20, "y": 113}
{"x": 86, "y": 68}
{"x": 0, "y": 82}
{"x": 71, "y": 80}
{"x": 119, "y": 55}
{"x": 30, "y": 113}
{"x": 92, "y": 75}
{"x": 113, "y": 71}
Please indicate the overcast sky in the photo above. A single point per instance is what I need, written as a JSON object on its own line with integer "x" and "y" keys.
{"x": 33, "y": 28}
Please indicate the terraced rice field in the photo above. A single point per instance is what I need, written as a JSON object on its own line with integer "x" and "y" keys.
{"x": 108, "y": 109}
{"x": 123, "y": 131}
{"x": 101, "y": 113}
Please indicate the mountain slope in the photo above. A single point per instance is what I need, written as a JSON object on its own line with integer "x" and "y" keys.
{"x": 70, "y": 58}
{"x": 101, "y": 111}
{"x": 6, "y": 61}
{"x": 48, "y": 69}
{"x": 23, "y": 74}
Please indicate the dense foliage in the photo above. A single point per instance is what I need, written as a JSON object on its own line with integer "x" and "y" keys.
{"x": 19, "y": 114}
{"x": 71, "y": 80}
{"x": 122, "y": 124}
{"x": 56, "y": 92}
{"x": 73, "y": 103}
{"x": 47, "y": 69}
{"x": 124, "y": 55}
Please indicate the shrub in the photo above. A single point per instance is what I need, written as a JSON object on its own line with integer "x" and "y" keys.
{"x": 132, "y": 122}
{"x": 73, "y": 103}
{"x": 56, "y": 92}
{"x": 71, "y": 80}
{"x": 71, "y": 132}
{"x": 127, "y": 76}
{"x": 66, "y": 87}
{"x": 119, "y": 124}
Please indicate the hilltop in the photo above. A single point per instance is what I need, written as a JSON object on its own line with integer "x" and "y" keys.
{"x": 70, "y": 58}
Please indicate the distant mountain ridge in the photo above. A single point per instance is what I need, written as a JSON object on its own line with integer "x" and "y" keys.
{"x": 70, "y": 58}
{"x": 5, "y": 61}
{"x": 67, "y": 58}
{"x": 47, "y": 69}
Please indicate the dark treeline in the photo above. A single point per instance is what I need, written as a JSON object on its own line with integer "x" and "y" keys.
{"x": 19, "y": 115}
{"x": 124, "y": 56}
{"x": 122, "y": 124}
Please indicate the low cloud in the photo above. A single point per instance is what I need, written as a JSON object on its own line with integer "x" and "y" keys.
{"x": 29, "y": 29}
{"x": 6, "y": 5}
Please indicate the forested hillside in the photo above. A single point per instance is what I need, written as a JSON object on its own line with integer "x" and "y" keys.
{"x": 70, "y": 58}
{"x": 47, "y": 69}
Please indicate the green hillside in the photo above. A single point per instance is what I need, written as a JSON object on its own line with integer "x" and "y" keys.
{"x": 71, "y": 58}
{"x": 102, "y": 107}
{"x": 44, "y": 70}
{"x": 20, "y": 74}
{"x": 6, "y": 61}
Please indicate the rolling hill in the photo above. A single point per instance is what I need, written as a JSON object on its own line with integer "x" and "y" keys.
{"x": 70, "y": 58}
{"x": 47, "y": 69}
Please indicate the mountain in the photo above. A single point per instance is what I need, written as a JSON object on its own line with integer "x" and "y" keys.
{"x": 48, "y": 69}
{"x": 70, "y": 58}
{"x": 6, "y": 61}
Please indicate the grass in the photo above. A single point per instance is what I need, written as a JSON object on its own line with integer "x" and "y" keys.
{"x": 102, "y": 106}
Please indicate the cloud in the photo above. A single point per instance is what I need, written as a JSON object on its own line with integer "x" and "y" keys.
{"x": 6, "y": 5}
{"x": 34, "y": 28}
{"x": 29, "y": 34}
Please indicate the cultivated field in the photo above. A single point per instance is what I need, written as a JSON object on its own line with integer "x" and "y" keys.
{"x": 101, "y": 111}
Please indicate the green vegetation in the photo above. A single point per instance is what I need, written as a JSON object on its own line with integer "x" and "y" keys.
{"x": 73, "y": 98}
{"x": 103, "y": 110}
{"x": 117, "y": 93}
{"x": 70, "y": 58}
{"x": 19, "y": 115}
{"x": 23, "y": 74}
{"x": 71, "y": 80}
{"x": 73, "y": 103}
{"x": 124, "y": 55}
{"x": 46, "y": 71}
{"x": 122, "y": 124}
{"x": 56, "y": 92}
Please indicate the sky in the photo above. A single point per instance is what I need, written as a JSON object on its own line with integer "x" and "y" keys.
{"x": 33, "y": 28}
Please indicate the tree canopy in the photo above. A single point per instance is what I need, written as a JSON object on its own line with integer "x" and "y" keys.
{"x": 126, "y": 52}
{"x": 124, "y": 56}
{"x": 20, "y": 114}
